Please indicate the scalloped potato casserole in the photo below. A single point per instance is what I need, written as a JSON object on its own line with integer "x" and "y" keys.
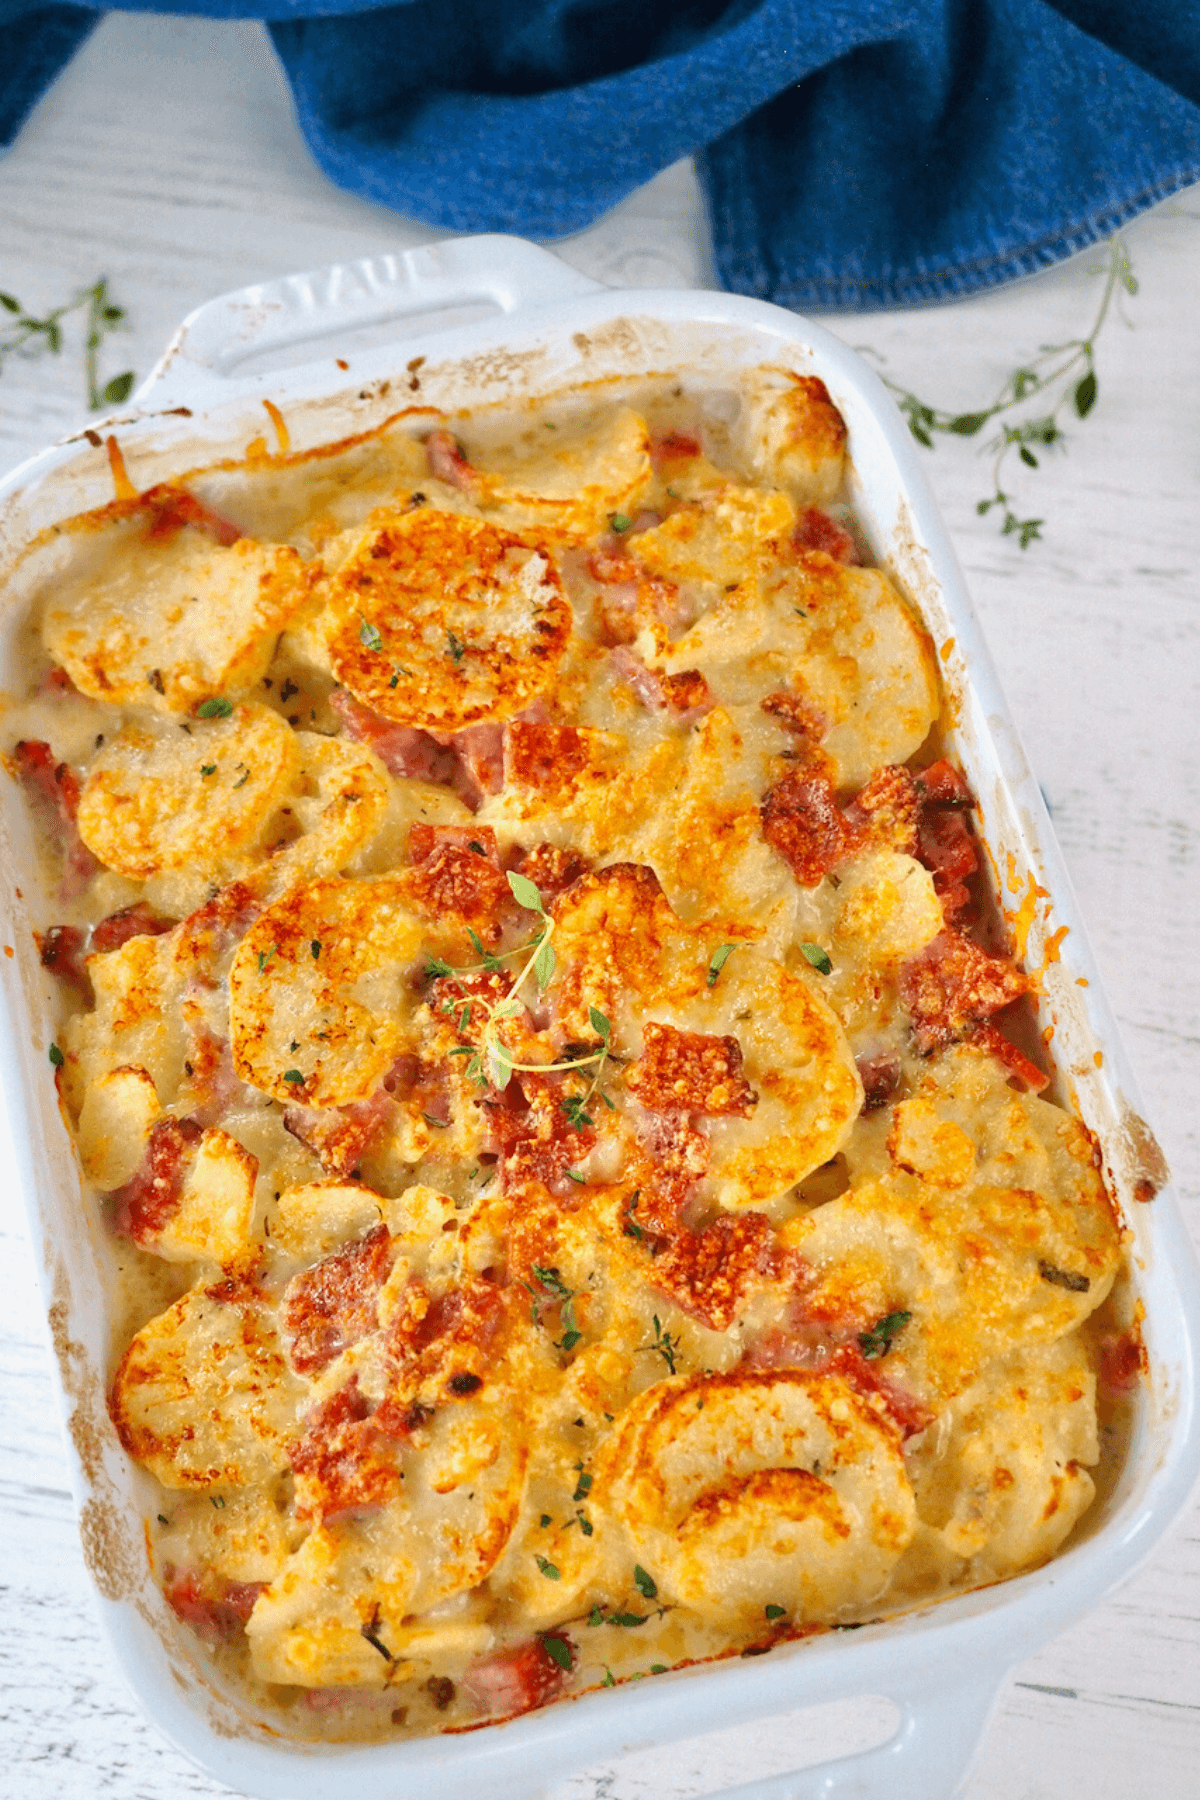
{"x": 536, "y": 1037}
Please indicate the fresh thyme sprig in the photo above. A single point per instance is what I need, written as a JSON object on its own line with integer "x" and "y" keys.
{"x": 1069, "y": 368}
{"x": 491, "y": 1062}
{"x": 23, "y": 331}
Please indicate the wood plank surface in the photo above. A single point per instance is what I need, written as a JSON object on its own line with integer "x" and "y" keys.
{"x": 168, "y": 158}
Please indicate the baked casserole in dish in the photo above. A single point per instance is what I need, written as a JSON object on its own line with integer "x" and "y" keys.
{"x": 565, "y": 1110}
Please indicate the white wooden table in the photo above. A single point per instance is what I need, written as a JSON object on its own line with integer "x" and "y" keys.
{"x": 168, "y": 158}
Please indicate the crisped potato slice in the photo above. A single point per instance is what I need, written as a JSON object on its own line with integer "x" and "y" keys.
{"x": 118, "y": 1111}
{"x": 888, "y": 907}
{"x": 442, "y": 621}
{"x": 136, "y": 1022}
{"x": 169, "y": 623}
{"x": 320, "y": 996}
{"x": 341, "y": 801}
{"x": 440, "y": 1537}
{"x": 1004, "y": 1483}
{"x": 204, "y": 1396}
{"x": 793, "y": 435}
{"x": 160, "y": 798}
{"x": 759, "y": 1487}
{"x": 733, "y": 535}
{"x": 622, "y": 948}
{"x": 840, "y": 636}
{"x": 569, "y": 481}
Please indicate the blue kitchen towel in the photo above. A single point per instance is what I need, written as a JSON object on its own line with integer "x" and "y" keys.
{"x": 855, "y": 153}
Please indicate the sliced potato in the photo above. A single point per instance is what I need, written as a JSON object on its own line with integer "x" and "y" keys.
{"x": 168, "y": 623}
{"x": 320, "y": 991}
{"x": 160, "y": 798}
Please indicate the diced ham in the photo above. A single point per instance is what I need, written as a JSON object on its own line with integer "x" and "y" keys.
{"x": 908, "y": 1413}
{"x": 457, "y": 869}
{"x": 1123, "y": 1361}
{"x": 516, "y": 1680}
{"x": 690, "y": 1071}
{"x": 62, "y": 949}
{"x": 952, "y": 985}
{"x": 173, "y": 508}
{"x": 440, "y": 1349}
{"x": 815, "y": 530}
{"x": 216, "y": 1612}
{"x": 675, "y": 446}
{"x": 677, "y": 1155}
{"x": 941, "y": 784}
{"x": 708, "y": 1272}
{"x": 551, "y": 869}
{"x": 402, "y": 749}
{"x": 447, "y": 462}
{"x": 797, "y": 714}
{"x": 144, "y": 1204}
{"x": 138, "y": 920}
{"x": 803, "y": 823}
{"x": 344, "y": 1461}
{"x": 209, "y": 934}
{"x": 54, "y": 788}
{"x": 534, "y": 1134}
{"x": 480, "y": 753}
{"x": 885, "y": 812}
{"x": 686, "y": 693}
{"x": 880, "y": 1075}
{"x": 336, "y": 1303}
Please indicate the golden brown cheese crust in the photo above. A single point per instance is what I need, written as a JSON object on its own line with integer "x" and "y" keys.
{"x": 540, "y": 1017}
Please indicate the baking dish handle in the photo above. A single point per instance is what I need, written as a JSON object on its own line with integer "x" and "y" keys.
{"x": 928, "y": 1757}
{"x": 216, "y": 340}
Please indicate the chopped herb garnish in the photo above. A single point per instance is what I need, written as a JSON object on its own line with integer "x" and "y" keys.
{"x": 558, "y": 1650}
{"x": 243, "y": 778}
{"x": 658, "y": 1668}
{"x": 456, "y": 649}
{"x": 774, "y": 1612}
{"x": 585, "y": 1525}
{"x": 574, "y": 1175}
{"x": 547, "y": 1568}
{"x": 545, "y": 1520}
{"x": 628, "y": 1619}
{"x": 666, "y": 1346}
{"x": 218, "y": 1501}
{"x": 629, "y": 1225}
{"x": 583, "y": 1486}
{"x": 56, "y": 1056}
{"x": 609, "y": 1679}
{"x": 878, "y": 1341}
{"x": 264, "y": 957}
{"x": 1064, "y": 1278}
{"x": 435, "y": 967}
{"x": 719, "y": 958}
{"x": 163, "y": 1519}
{"x": 294, "y": 1076}
{"x": 368, "y": 634}
{"x": 646, "y": 1585}
{"x": 315, "y": 947}
{"x": 814, "y": 954}
{"x": 442, "y": 1124}
{"x": 600, "y": 1024}
{"x": 208, "y": 768}
{"x": 596, "y": 1617}
{"x": 218, "y": 707}
{"x": 553, "y": 1283}
{"x": 620, "y": 521}
{"x": 578, "y": 1119}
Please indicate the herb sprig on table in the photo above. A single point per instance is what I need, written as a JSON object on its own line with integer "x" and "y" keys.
{"x": 21, "y": 330}
{"x": 1030, "y": 404}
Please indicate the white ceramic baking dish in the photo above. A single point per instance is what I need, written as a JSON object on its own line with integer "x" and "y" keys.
{"x": 942, "y": 1665}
